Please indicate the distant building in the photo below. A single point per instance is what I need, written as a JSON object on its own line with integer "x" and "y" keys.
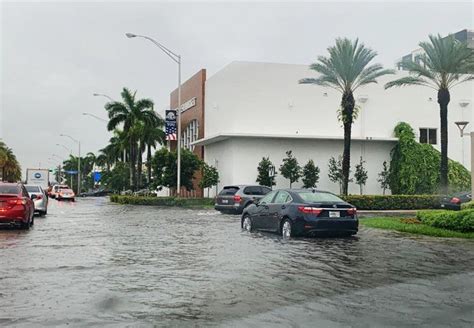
{"x": 249, "y": 110}
{"x": 465, "y": 36}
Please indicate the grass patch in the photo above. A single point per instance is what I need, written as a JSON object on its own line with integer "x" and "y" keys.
{"x": 414, "y": 228}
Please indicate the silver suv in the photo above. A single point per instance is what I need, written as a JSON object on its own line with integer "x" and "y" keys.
{"x": 233, "y": 199}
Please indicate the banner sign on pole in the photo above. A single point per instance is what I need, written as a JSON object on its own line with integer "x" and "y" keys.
{"x": 97, "y": 176}
{"x": 170, "y": 122}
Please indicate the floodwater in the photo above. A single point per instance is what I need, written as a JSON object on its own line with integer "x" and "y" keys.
{"x": 92, "y": 263}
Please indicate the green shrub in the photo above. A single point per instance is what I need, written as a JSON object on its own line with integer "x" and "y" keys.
{"x": 467, "y": 206}
{"x": 414, "y": 167}
{"x": 162, "y": 201}
{"x": 393, "y": 202}
{"x": 452, "y": 220}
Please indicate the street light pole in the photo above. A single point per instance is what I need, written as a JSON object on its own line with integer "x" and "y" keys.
{"x": 177, "y": 59}
{"x": 78, "y": 161}
{"x": 95, "y": 116}
{"x": 102, "y": 95}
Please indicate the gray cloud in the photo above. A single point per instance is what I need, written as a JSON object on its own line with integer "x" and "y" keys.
{"x": 54, "y": 56}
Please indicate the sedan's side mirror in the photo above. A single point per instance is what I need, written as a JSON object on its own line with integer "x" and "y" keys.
{"x": 33, "y": 197}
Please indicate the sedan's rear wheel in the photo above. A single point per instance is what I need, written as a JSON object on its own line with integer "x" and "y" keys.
{"x": 247, "y": 224}
{"x": 286, "y": 229}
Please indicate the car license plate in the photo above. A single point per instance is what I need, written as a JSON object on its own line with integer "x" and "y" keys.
{"x": 225, "y": 201}
{"x": 334, "y": 214}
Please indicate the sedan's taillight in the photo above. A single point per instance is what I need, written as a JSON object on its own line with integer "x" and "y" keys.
{"x": 455, "y": 200}
{"x": 352, "y": 211}
{"x": 310, "y": 210}
{"x": 237, "y": 199}
{"x": 16, "y": 201}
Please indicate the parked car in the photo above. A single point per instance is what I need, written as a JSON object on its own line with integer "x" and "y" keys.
{"x": 16, "y": 206}
{"x": 454, "y": 202}
{"x": 292, "y": 212}
{"x": 40, "y": 199}
{"x": 233, "y": 199}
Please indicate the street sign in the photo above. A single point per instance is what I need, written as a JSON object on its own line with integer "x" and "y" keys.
{"x": 271, "y": 171}
{"x": 70, "y": 172}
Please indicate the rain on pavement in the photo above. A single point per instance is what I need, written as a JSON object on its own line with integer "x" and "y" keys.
{"x": 93, "y": 263}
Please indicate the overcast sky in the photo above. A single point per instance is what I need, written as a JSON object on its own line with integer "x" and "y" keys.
{"x": 55, "y": 55}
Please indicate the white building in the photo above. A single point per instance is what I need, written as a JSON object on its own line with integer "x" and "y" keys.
{"x": 255, "y": 110}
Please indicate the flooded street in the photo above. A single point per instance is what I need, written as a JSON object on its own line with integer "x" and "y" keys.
{"x": 93, "y": 263}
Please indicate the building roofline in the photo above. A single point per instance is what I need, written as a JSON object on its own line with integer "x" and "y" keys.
{"x": 224, "y": 136}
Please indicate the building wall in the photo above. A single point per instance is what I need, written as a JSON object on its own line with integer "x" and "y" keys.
{"x": 238, "y": 158}
{"x": 265, "y": 98}
{"x": 193, "y": 87}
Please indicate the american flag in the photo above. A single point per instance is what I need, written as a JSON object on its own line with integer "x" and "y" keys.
{"x": 170, "y": 132}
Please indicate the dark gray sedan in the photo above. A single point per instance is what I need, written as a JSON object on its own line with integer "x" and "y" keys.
{"x": 233, "y": 199}
{"x": 301, "y": 212}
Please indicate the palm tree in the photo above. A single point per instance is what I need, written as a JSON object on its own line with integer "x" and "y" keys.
{"x": 445, "y": 64}
{"x": 346, "y": 69}
{"x": 152, "y": 136}
{"x": 129, "y": 113}
{"x": 10, "y": 168}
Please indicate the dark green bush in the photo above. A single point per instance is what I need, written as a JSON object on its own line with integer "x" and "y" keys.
{"x": 393, "y": 202}
{"x": 451, "y": 220}
{"x": 162, "y": 201}
{"x": 414, "y": 167}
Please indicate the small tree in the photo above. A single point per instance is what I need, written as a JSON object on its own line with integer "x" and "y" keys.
{"x": 210, "y": 177}
{"x": 360, "y": 174}
{"x": 335, "y": 171}
{"x": 264, "y": 178}
{"x": 310, "y": 175}
{"x": 290, "y": 168}
{"x": 164, "y": 165}
{"x": 383, "y": 178}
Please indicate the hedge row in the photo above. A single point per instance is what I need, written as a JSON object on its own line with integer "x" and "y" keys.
{"x": 162, "y": 201}
{"x": 469, "y": 205}
{"x": 393, "y": 202}
{"x": 451, "y": 220}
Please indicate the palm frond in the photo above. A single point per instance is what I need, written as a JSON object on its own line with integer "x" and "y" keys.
{"x": 407, "y": 80}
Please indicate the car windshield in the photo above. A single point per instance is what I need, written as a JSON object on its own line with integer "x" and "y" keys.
{"x": 9, "y": 189}
{"x": 229, "y": 191}
{"x": 316, "y": 197}
{"x": 63, "y": 187}
{"x": 32, "y": 189}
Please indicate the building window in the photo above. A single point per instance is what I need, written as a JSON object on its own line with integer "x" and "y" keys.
{"x": 428, "y": 136}
{"x": 190, "y": 135}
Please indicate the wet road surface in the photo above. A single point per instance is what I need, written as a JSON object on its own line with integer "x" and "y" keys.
{"x": 92, "y": 263}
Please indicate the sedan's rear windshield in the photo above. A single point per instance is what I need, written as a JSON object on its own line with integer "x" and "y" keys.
{"x": 229, "y": 191}
{"x": 317, "y": 197}
{"x": 63, "y": 187}
{"x": 32, "y": 189}
{"x": 9, "y": 189}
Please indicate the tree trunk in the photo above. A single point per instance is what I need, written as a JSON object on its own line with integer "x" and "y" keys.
{"x": 131, "y": 164}
{"x": 148, "y": 163}
{"x": 139, "y": 165}
{"x": 348, "y": 104}
{"x": 443, "y": 100}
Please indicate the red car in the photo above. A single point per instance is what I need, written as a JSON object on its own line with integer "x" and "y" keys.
{"x": 16, "y": 206}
